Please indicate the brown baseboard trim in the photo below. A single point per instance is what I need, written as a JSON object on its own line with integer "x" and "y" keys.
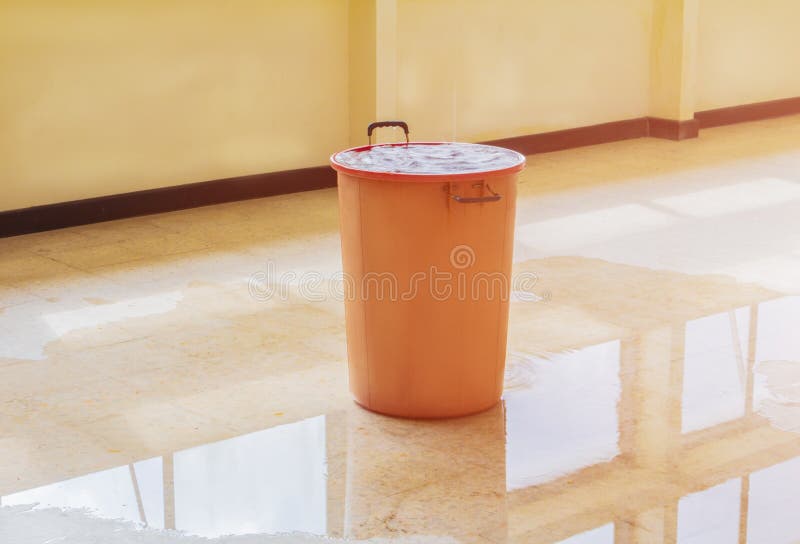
{"x": 575, "y": 137}
{"x": 166, "y": 199}
{"x": 671, "y": 129}
{"x": 601, "y": 134}
{"x": 748, "y": 112}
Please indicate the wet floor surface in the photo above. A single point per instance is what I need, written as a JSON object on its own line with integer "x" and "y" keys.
{"x": 652, "y": 389}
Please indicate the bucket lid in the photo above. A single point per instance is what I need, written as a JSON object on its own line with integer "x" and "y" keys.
{"x": 428, "y": 161}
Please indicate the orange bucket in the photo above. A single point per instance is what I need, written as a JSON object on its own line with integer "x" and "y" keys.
{"x": 427, "y": 238}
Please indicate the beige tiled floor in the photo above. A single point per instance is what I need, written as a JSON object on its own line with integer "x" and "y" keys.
{"x": 651, "y": 392}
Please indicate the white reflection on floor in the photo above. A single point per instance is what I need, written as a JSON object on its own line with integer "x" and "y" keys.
{"x": 715, "y": 369}
{"x": 267, "y": 482}
{"x": 567, "y": 419}
{"x": 778, "y": 341}
{"x": 130, "y": 492}
{"x": 28, "y": 328}
{"x": 271, "y": 481}
{"x": 599, "y": 535}
{"x": 774, "y": 504}
{"x": 711, "y": 515}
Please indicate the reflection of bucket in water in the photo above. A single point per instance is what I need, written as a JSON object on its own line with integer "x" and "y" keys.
{"x": 442, "y": 477}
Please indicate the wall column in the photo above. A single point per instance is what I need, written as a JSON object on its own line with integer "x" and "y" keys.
{"x": 386, "y": 56}
{"x": 372, "y": 79}
{"x": 362, "y": 67}
{"x": 673, "y": 57}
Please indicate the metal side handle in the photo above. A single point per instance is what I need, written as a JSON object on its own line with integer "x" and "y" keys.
{"x": 494, "y": 197}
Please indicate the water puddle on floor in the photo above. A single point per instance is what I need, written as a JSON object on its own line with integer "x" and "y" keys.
{"x": 32, "y": 327}
{"x": 781, "y": 390}
{"x": 640, "y": 405}
{"x": 24, "y": 525}
{"x": 659, "y": 430}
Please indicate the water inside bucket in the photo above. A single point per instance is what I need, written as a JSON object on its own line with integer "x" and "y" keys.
{"x": 429, "y": 158}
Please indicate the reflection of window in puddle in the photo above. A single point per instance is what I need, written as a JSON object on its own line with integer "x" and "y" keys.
{"x": 133, "y": 493}
{"x": 778, "y": 339}
{"x": 266, "y": 482}
{"x": 774, "y": 504}
{"x": 600, "y": 535}
{"x": 711, "y": 515}
{"x": 773, "y": 501}
{"x": 715, "y": 369}
{"x": 567, "y": 419}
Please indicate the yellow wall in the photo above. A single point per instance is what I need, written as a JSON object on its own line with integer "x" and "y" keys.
{"x": 102, "y": 97}
{"x": 477, "y": 70}
{"x": 747, "y": 52}
{"x": 107, "y": 96}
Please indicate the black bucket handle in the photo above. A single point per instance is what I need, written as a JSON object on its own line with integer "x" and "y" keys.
{"x": 380, "y": 124}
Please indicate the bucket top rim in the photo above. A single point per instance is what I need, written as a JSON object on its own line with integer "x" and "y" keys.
{"x": 423, "y": 176}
